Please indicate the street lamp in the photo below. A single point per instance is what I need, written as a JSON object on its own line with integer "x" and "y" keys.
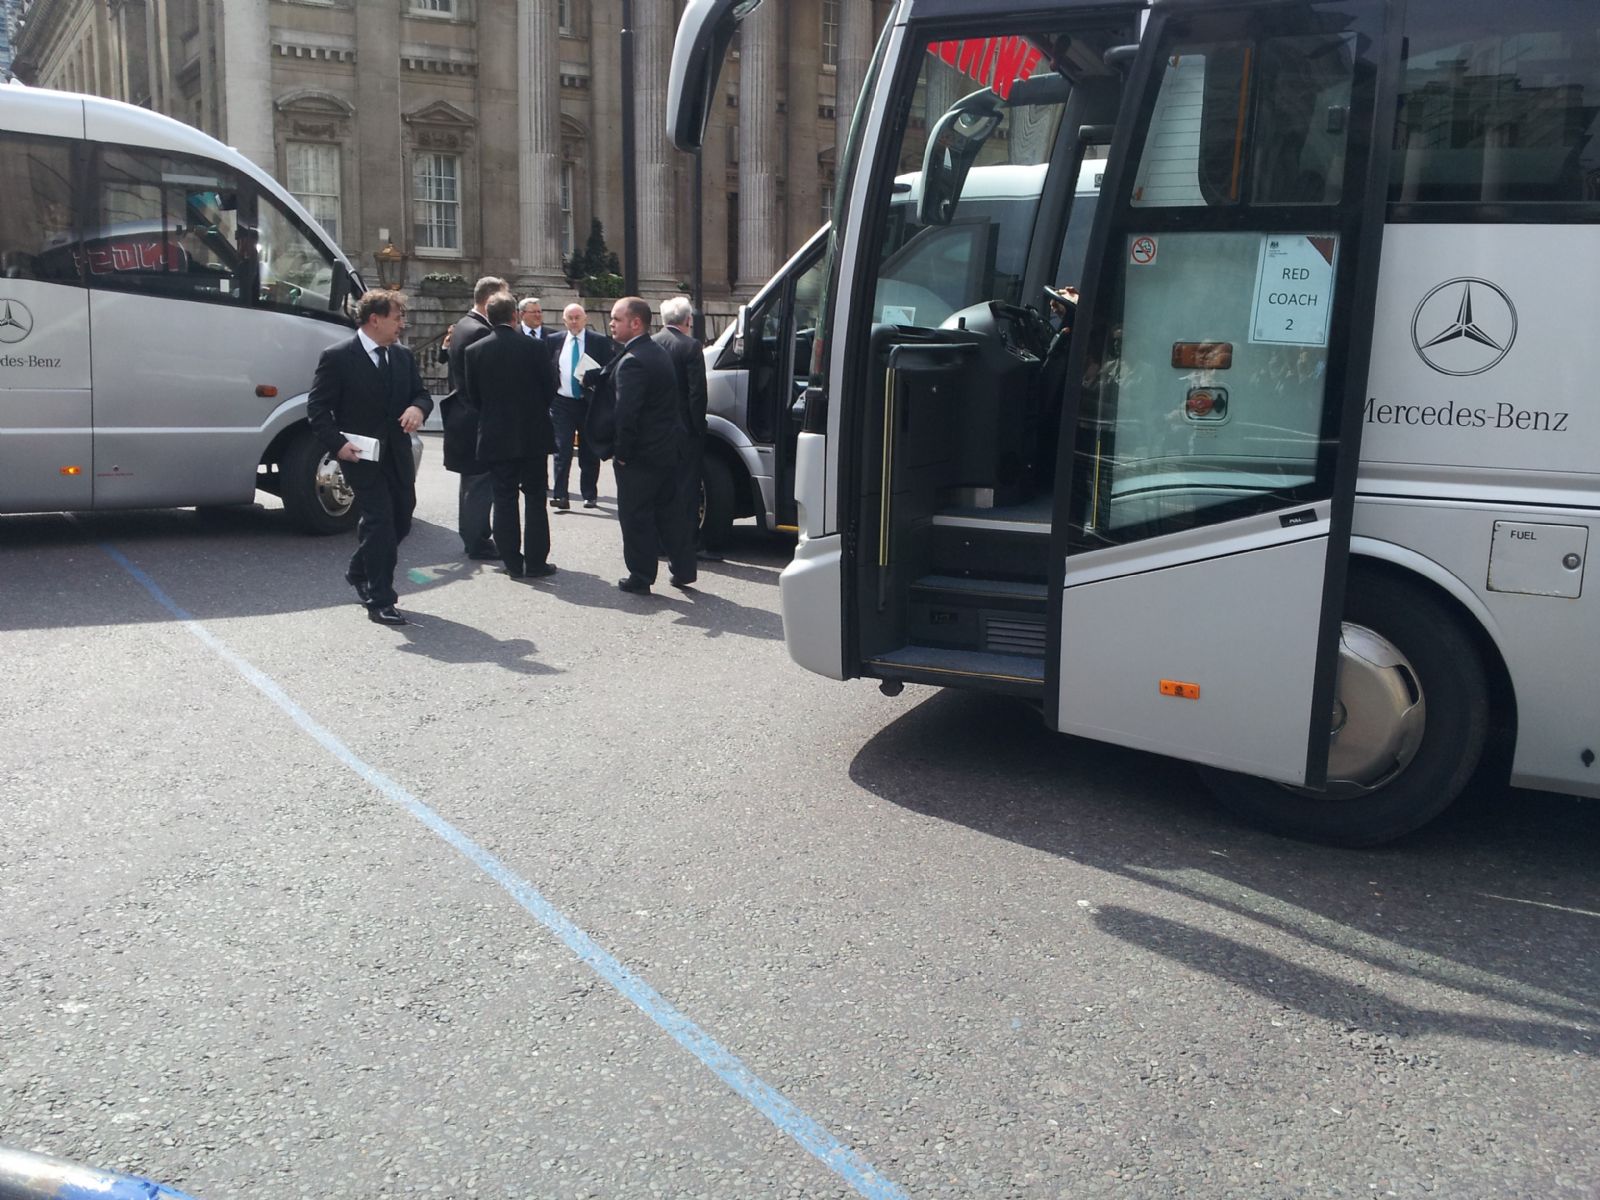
{"x": 391, "y": 265}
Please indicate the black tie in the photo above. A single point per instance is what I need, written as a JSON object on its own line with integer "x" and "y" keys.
{"x": 383, "y": 362}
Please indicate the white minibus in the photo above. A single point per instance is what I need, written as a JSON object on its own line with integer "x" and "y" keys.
{"x": 1308, "y": 499}
{"x": 163, "y": 302}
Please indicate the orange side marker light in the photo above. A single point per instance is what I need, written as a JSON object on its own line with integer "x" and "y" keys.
{"x": 1184, "y": 691}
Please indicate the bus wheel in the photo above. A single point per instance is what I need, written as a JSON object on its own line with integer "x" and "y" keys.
{"x": 313, "y": 488}
{"x": 716, "y": 502}
{"x": 1410, "y": 722}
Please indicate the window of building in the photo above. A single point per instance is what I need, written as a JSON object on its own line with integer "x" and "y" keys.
{"x": 436, "y": 201}
{"x": 445, "y": 7}
{"x": 313, "y": 179}
{"x": 830, "y": 33}
{"x": 36, "y": 224}
{"x": 569, "y": 231}
{"x": 165, "y": 225}
{"x": 1496, "y": 110}
{"x": 564, "y": 15}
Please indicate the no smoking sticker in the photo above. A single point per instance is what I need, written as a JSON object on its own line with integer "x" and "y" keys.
{"x": 1142, "y": 250}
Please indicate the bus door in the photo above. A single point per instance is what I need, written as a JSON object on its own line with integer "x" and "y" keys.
{"x": 1214, "y": 387}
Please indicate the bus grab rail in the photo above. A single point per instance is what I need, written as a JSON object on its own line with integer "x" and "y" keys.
{"x": 28, "y": 1176}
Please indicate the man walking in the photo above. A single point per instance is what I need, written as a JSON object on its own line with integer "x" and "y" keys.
{"x": 370, "y": 386}
{"x": 568, "y": 411}
{"x": 649, "y": 452}
{"x": 689, "y": 363}
{"x": 475, "y": 493}
{"x": 511, "y": 382}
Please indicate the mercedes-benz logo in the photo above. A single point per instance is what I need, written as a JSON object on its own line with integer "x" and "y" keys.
{"x": 1464, "y": 326}
{"x": 16, "y": 322}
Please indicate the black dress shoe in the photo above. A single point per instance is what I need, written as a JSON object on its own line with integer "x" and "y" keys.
{"x": 634, "y": 584}
{"x": 487, "y": 551}
{"x": 385, "y": 614}
{"x": 363, "y": 591}
{"x": 540, "y": 570}
{"x": 591, "y": 504}
{"x": 561, "y": 504}
{"x": 514, "y": 570}
{"x": 678, "y": 581}
{"x": 708, "y": 556}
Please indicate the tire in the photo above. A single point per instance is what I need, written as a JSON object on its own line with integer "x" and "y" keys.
{"x": 716, "y": 502}
{"x": 1396, "y": 636}
{"x": 313, "y": 489}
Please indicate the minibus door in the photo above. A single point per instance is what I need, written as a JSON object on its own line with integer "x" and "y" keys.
{"x": 1214, "y": 392}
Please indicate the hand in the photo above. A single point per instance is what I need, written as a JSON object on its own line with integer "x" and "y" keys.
{"x": 447, "y": 334}
{"x": 348, "y": 453}
{"x": 411, "y": 420}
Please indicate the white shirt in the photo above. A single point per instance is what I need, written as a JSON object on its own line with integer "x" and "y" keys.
{"x": 564, "y": 361}
{"x": 370, "y": 346}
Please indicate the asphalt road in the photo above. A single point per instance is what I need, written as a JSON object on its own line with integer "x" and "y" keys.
{"x": 284, "y": 900}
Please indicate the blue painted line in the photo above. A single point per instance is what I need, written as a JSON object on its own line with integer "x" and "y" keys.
{"x": 765, "y": 1099}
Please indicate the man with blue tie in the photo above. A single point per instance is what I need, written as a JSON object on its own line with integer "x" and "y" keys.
{"x": 570, "y": 406}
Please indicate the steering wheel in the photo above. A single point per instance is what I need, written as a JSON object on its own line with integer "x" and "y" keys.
{"x": 1032, "y": 331}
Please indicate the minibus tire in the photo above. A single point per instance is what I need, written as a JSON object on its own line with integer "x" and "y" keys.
{"x": 302, "y": 499}
{"x": 1454, "y": 684}
{"x": 716, "y": 503}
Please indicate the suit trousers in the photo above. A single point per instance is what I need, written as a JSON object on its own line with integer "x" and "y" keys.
{"x": 650, "y": 511}
{"x": 523, "y": 543}
{"x": 567, "y": 414}
{"x": 474, "y": 498}
{"x": 689, "y": 485}
{"x": 385, "y": 502}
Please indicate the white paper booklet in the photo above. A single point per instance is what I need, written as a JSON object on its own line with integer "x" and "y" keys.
{"x": 370, "y": 447}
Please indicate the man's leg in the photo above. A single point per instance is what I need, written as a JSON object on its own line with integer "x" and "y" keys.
{"x": 474, "y": 502}
{"x": 588, "y": 473}
{"x": 536, "y": 530}
{"x": 507, "y": 522}
{"x": 689, "y": 485}
{"x": 376, "y": 549}
{"x": 563, "y": 415}
{"x": 672, "y": 527}
{"x": 636, "y": 491}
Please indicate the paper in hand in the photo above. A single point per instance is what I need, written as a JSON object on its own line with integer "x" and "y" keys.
{"x": 369, "y": 447}
{"x": 585, "y": 365}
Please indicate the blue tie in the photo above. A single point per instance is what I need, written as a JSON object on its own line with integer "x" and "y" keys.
{"x": 577, "y": 386}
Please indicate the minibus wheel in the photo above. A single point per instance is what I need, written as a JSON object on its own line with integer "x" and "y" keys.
{"x": 716, "y": 502}
{"x": 1409, "y": 726}
{"x": 313, "y": 488}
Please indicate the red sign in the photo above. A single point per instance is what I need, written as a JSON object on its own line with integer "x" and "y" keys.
{"x": 995, "y": 62}
{"x": 113, "y": 256}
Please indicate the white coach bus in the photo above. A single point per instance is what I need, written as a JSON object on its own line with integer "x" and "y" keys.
{"x": 1309, "y": 499}
{"x": 163, "y": 302}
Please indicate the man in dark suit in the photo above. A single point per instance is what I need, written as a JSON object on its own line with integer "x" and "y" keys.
{"x": 649, "y": 451}
{"x": 530, "y": 319}
{"x": 567, "y": 413}
{"x": 689, "y": 363}
{"x": 476, "y": 491}
{"x": 371, "y": 386}
{"x": 511, "y": 382}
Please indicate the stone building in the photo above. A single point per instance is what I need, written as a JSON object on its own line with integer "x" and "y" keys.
{"x": 484, "y": 135}
{"x": 8, "y": 19}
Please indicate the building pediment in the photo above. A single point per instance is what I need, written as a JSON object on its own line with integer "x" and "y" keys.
{"x": 441, "y": 114}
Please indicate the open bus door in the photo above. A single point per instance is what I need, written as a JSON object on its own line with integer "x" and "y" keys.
{"x": 1210, "y": 440}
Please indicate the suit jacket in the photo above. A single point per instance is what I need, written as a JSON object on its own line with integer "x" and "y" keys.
{"x": 650, "y": 428}
{"x": 460, "y": 419}
{"x": 689, "y": 363}
{"x": 596, "y": 345}
{"x": 511, "y": 383}
{"x": 350, "y": 395}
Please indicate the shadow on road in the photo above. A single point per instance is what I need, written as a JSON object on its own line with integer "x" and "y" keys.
{"x": 449, "y": 641}
{"x": 1500, "y": 899}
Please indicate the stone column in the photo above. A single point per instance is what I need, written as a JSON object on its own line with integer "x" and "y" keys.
{"x": 245, "y": 91}
{"x": 653, "y": 29}
{"x": 384, "y": 183}
{"x": 538, "y": 146}
{"x": 855, "y": 54}
{"x": 759, "y": 65}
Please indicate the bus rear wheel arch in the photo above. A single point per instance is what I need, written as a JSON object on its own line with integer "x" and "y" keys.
{"x": 1409, "y": 728}
{"x": 313, "y": 488}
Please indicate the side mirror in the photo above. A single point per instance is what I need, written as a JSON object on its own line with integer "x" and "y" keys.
{"x": 953, "y": 147}
{"x": 741, "y": 326}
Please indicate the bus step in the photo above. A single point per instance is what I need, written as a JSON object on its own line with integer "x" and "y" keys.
{"x": 1010, "y": 674}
